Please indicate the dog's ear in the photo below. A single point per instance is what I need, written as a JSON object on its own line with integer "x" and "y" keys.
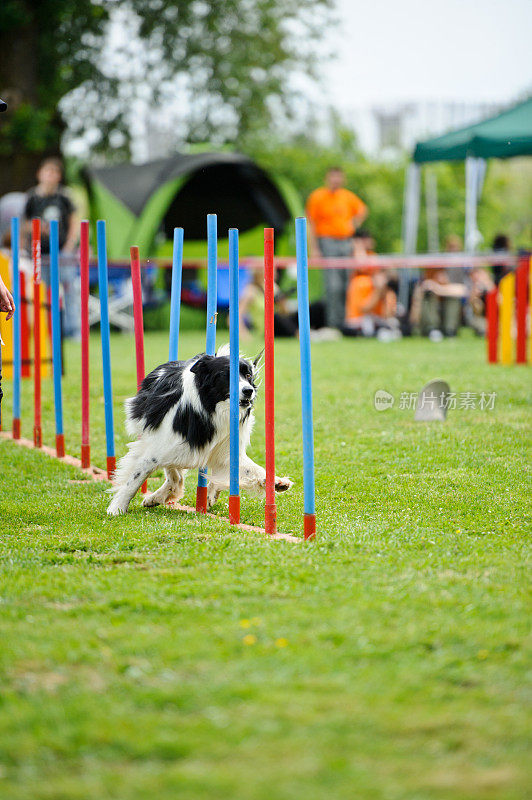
{"x": 223, "y": 350}
{"x": 256, "y": 360}
{"x": 199, "y": 366}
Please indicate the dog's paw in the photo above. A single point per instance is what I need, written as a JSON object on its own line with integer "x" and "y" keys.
{"x": 115, "y": 510}
{"x": 283, "y": 484}
{"x": 151, "y": 500}
{"x": 212, "y": 496}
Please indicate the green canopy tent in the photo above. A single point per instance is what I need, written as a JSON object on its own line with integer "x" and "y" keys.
{"x": 506, "y": 135}
{"x": 143, "y": 203}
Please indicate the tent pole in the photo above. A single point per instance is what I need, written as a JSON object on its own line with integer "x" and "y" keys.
{"x": 431, "y": 201}
{"x": 410, "y": 225}
{"x": 471, "y": 233}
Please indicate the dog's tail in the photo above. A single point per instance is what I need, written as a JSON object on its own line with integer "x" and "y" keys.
{"x": 134, "y": 427}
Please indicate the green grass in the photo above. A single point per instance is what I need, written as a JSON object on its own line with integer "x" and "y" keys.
{"x": 158, "y": 655}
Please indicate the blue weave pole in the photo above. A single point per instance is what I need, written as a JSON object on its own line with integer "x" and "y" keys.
{"x": 175, "y": 295}
{"x": 210, "y": 339}
{"x": 234, "y": 379}
{"x": 306, "y": 378}
{"x": 103, "y": 285}
{"x": 17, "y": 353}
{"x": 56, "y": 337}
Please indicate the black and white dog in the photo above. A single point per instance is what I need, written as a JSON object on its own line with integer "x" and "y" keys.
{"x": 180, "y": 417}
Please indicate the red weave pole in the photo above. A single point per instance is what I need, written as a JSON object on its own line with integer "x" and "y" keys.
{"x": 84, "y": 275}
{"x": 521, "y": 302}
{"x": 36, "y": 256}
{"x": 139, "y": 323}
{"x": 270, "y": 508}
{"x": 492, "y": 324}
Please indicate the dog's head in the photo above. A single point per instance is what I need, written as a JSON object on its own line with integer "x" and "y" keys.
{"x": 212, "y": 379}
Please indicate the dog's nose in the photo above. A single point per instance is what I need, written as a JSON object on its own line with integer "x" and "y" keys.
{"x": 247, "y": 392}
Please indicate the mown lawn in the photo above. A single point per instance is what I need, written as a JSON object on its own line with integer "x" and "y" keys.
{"x": 162, "y": 656}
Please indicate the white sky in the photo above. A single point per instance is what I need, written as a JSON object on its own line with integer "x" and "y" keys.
{"x": 396, "y": 50}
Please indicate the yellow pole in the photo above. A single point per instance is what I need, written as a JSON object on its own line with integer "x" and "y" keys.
{"x": 6, "y": 328}
{"x": 506, "y": 317}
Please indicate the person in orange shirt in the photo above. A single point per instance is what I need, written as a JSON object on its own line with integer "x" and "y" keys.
{"x": 334, "y": 213}
{"x": 371, "y": 304}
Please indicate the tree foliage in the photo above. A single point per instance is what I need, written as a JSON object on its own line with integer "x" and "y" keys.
{"x": 226, "y": 64}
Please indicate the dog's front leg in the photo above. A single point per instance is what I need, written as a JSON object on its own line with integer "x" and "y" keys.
{"x": 131, "y": 474}
{"x": 174, "y": 487}
{"x": 253, "y": 478}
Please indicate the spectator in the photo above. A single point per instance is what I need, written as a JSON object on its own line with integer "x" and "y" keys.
{"x": 334, "y": 213}
{"x": 370, "y": 302}
{"x": 501, "y": 244}
{"x": 50, "y": 200}
{"x": 437, "y": 305}
{"x": 453, "y": 244}
{"x": 481, "y": 284}
{"x": 7, "y": 306}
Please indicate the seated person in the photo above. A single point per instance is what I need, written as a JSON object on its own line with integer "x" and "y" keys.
{"x": 481, "y": 284}
{"x": 437, "y": 304}
{"x": 501, "y": 244}
{"x": 370, "y": 304}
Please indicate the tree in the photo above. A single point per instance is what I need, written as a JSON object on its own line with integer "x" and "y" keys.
{"x": 230, "y": 61}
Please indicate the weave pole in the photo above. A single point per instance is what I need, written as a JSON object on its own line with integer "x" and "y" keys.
{"x": 17, "y": 352}
{"x": 175, "y": 294}
{"x": 530, "y": 307}
{"x": 210, "y": 333}
{"x": 138, "y": 323}
{"x": 521, "y": 303}
{"x": 84, "y": 280}
{"x": 270, "y": 507}
{"x": 56, "y": 338}
{"x": 36, "y": 257}
{"x": 106, "y": 346}
{"x": 492, "y": 324}
{"x": 306, "y": 378}
{"x": 234, "y": 379}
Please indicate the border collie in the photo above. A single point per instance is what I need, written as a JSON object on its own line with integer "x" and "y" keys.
{"x": 180, "y": 418}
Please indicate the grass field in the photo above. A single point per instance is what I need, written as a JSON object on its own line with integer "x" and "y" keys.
{"x": 158, "y": 655}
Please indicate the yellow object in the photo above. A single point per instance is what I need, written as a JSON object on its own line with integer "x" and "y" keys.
{"x": 6, "y": 328}
{"x": 506, "y": 317}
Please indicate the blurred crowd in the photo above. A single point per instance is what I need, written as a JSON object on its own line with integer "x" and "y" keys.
{"x": 364, "y": 301}
{"x": 354, "y": 302}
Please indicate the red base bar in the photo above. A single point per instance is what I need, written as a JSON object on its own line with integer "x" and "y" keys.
{"x": 310, "y": 526}
{"x": 60, "y": 445}
{"x": 85, "y": 456}
{"x": 234, "y": 509}
{"x": 111, "y": 466}
{"x": 201, "y": 499}
{"x": 37, "y": 436}
{"x": 270, "y": 518}
{"x": 16, "y": 428}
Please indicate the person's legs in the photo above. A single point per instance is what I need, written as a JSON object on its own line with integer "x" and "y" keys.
{"x": 451, "y": 312}
{"x": 72, "y": 302}
{"x": 336, "y": 280}
{"x": 430, "y": 313}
